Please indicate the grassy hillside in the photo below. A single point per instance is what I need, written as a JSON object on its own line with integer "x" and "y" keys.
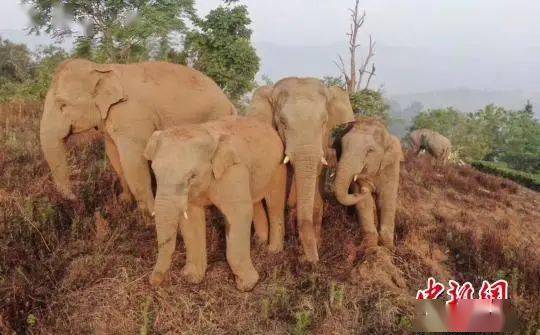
{"x": 82, "y": 267}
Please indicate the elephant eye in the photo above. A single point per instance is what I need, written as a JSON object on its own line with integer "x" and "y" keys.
{"x": 370, "y": 150}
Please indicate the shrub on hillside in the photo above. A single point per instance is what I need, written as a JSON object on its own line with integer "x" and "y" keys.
{"x": 529, "y": 180}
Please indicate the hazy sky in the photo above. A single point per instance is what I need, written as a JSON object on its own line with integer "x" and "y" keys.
{"x": 422, "y": 44}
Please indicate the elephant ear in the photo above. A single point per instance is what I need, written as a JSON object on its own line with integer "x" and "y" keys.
{"x": 392, "y": 152}
{"x": 261, "y": 105}
{"x": 337, "y": 134}
{"x": 224, "y": 157}
{"x": 107, "y": 90}
{"x": 339, "y": 107}
{"x": 152, "y": 145}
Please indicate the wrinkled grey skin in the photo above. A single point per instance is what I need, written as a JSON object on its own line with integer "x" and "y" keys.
{"x": 431, "y": 141}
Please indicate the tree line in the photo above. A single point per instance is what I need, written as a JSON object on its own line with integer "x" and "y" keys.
{"x": 107, "y": 31}
{"x": 494, "y": 134}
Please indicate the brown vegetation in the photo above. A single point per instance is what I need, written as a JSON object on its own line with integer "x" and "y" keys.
{"x": 82, "y": 267}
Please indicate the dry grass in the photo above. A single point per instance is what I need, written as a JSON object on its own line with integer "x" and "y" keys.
{"x": 65, "y": 269}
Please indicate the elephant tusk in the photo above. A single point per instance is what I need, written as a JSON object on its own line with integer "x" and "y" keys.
{"x": 323, "y": 160}
{"x": 286, "y": 160}
{"x": 355, "y": 177}
{"x": 153, "y": 214}
{"x": 185, "y": 215}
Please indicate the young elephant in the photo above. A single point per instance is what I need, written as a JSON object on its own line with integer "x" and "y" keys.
{"x": 232, "y": 164}
{"x": 369, "y": 159}
{"x": 431, "y": 141}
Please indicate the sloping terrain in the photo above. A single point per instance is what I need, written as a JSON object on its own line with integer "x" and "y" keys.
{"x": 82, "y": 267}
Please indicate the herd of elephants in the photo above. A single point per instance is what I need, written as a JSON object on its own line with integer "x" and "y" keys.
{"x": 202, "y": 153}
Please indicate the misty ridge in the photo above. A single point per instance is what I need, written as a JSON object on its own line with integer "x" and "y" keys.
{"x": 436, "y": 79}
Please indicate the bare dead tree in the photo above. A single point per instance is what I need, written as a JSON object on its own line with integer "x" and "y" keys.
{"x": 354, "y": 82}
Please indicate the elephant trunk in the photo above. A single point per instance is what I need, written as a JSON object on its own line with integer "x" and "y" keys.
{"x": 168, "y": 208}
{"x": 344, "y": 176}
{"x": 53, "y": 129}
{"x": 306, "y": 168}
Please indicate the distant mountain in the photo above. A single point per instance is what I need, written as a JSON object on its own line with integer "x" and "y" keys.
{"x": 404, "y": 69}
{"x": 469, "y": 100}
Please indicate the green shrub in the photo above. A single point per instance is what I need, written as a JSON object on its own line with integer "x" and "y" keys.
{"x": 529, "y": 180}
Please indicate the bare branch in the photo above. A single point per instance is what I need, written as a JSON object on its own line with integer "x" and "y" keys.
{"x": 365, "y": 64}
{"x": 371, "y": 74}
{"x": 353, "y": 77}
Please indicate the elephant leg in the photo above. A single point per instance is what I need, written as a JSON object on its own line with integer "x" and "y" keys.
{"x": 291, "y": 200}
{"x": 260, "y": 222}
{"x": 194, "y": 234}
{"x": 386, "y": 202}
{"x": 114, "y": 158}
{"x": 275, "y": 201}
{"x": 318, "y": 215}
{"x": 232, "y": 197}
{"x": 136, "y": 171}
{"x": 366, "y": 210}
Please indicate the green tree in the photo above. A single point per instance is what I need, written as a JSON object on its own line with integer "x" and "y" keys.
{"x": 491, "y": 122}
{"x": 222, "y": 49}
{"x": 370, "y": 103}
{"x": 48, "y": 58}
{"x": 446, "y": 121}
{"x": 521, "y": 147}
{"x": 334, "y": 81}
{"x": 115, "y": 30}
{"x": 16, "y": 68}
{"x": 15, "y": 61}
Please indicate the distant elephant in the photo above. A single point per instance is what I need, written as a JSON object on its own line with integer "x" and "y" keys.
{"x": 369, "y": 159}
{"x": 304, "y": 111}
{"x": 232, "y": 164}
{"x": 431, "y": 141}
{"x": 126, "y": 104}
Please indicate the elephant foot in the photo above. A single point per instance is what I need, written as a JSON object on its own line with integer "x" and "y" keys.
{"x": 157, "y": 278}
{"x": 387, "y": 241}
{"x": 370, "y": 240}
{"x": 125, "y": 197}
{"x": 311, "y": 259}
{"x": 192, "y": 274}
{"x": 247, "y": 281}
{"x": 275, "y": 247}
{"x": 261, "y": 241}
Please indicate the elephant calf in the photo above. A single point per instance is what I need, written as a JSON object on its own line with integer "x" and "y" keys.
{"x": 431, "y": 141}
{"x": 369, "y": 159}
{"x": 232, "y": 164}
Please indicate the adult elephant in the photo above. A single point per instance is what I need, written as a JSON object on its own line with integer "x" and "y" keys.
{"x": 431, "y": 141}
{"x": 304, "y": 111}
{"x": 126, "y": 104}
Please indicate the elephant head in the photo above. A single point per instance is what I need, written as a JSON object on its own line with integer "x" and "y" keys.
{"x": 78, "y": 100}
{"x": 299, "y": 110}
{"x": 185, "y": 161}
{"x": 365, "y": 149}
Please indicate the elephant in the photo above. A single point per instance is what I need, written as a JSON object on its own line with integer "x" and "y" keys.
{"x": 431, "y": 141}
{"x": 125, "y": 104}
{"x": 304, "y": 111}
{"x": 369, "y": 161}
{"x": 233, "y": 164}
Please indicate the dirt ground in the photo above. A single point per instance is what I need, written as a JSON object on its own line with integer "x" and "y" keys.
{"x": 82, "y": 267}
